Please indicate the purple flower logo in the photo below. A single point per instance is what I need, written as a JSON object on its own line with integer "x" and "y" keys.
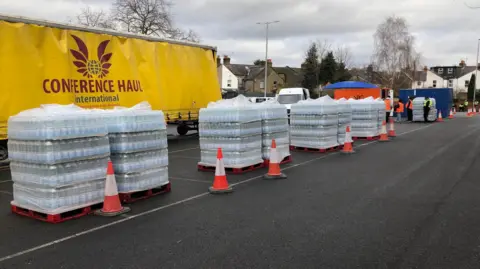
{"x": 91, "y": 68}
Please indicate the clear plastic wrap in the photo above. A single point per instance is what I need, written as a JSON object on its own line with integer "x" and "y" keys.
{"x": 232, "y": 159}
{"x": 133, "y": 120}
{"x": 283, "y": 150}
{"x": 55, "y": 122}
{"x": 145, "y": 180}
{"x": 244, "y": 143}
{"x": 58, "y": 151}
{"x": 58, "y": 175}
{"x": 58, "y": 200}
{"x": 281, "y": 138}
{"x": 275, "y": 125}
{"x": 232, "y": 129}
{"x": 365, "y": 117}
{"x": 314, "y": 123}
{"x": 124, "y": 163}
{"x": 135, "y": 142}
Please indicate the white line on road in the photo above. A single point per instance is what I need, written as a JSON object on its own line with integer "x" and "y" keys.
{"x": 6, "y": 192}
{"x": 169, "y": 205}
{"x": 182, "y": 150}
{"x": 189, "y": 179}
{"x": 185, "y": 157}
{"x": 5, "y": 181}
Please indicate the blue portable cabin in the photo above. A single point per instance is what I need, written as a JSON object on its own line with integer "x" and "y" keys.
{"x": 443, "y": 98}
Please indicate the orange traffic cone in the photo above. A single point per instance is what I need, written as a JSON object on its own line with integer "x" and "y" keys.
{"x": 391, "y": 131}
{"x": 383, "y": 133}
{"x": 348, "y": 144}
{"x": 220, "y": 183}
{"x": 440, "y": 118}
{"x": 469, "y": 113}
{"x": 274, "y": 166}
{"x": 451, "y": 114}
{"x": 111, "y": 203}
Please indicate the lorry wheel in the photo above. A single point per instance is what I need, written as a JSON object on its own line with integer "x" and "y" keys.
{"x": 182, "y": 129}
{"x": 3, "y": 151}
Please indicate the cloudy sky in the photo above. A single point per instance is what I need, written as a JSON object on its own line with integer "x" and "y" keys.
{"x": 446, "y": 30}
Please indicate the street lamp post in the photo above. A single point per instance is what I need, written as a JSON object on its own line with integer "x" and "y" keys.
{"x": 267, "y": 23}
{"x": 476, "y": 77}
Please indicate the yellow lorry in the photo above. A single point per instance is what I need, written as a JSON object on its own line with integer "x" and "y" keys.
{"x": 43, "y": 62}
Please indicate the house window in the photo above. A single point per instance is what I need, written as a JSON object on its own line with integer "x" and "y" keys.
{"x": 440, "y": 71}
{"x": 229, "y": 83}
{"x": 434, "y": 84}
{"x": 262, "y": 85}
{"x": 450, "y": 83}
{"x": 450, "y": 71}
{"x": 466, "y": 83}
{"x": 419, "y": 83}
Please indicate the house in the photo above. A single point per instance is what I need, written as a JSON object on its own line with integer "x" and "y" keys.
{"x": 456, "y": 77}
{"x": 250, "y": 78}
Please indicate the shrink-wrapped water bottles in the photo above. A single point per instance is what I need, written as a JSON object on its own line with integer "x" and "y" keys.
{"x": 382, "y": 114}
{"x": 235, "y": 126}
{"x": 365, "y": 117}
{"x": 344, "y": 119}
{"x": 274, "y": 126}
{"x": 418, "y": 109}
{"x": 138, "y": 145}
{"x": 314, "y": 123}
{"x": 58, "y": 155}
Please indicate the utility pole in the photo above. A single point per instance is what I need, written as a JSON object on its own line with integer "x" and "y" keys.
{"x": 267, "y": 23}
{"x": 476, "y": 77}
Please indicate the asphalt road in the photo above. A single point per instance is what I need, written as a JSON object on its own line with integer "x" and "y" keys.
{"x": 409, "y": 203}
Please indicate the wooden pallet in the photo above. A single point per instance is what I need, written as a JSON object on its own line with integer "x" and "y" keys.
{"x": 132, "y": 197}
{"x": 56, "y": 218}
{"x": 325, "y": 150}
{"x": 236, "y": 170}
{"x": 287, "y": 159}
{"x": 369, "y": 138}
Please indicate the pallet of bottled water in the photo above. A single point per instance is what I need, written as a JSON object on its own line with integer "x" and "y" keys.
{"x": 139, "y": 148}
{"x": 235, "y": 126}
{"x": 382, "y": 114}
{"x": 364, "y": 118}
{"x": 58, "y": 164}
{"x": 344, "y": 119}
{"x": 274, "y": 126}
{"x": 418, "y": 109}
{"x": 314, "y": 123}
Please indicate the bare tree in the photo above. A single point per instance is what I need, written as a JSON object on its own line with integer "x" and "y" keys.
{"x": 343, "y": 55}
{"x": 94, "y": 18}
{"x": 394, "y": 53}
{"x": 149, "y": 17}
{"x": 323, "y": 47}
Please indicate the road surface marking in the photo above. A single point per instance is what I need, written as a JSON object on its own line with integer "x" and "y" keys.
{"x": 189, "y": 179}
{"x": 51, "y": 243}
{"x": 6, "y": 192}
{"x": 186, "y": 157}
{"x": 182, "y": 150}
{"x": 5, "y": 181}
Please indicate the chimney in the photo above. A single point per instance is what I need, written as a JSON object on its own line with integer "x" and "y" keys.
{"x": 226, "y": 59}
{"x": 462, "y": 63}
{"x": 269, "y": 62}
{"x": 219, "y": 61}
{"x": 425, "y": 68}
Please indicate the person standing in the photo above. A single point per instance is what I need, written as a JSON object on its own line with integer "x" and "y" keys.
{"x": 399, "y": 110}
{"x": 388, "y": 108}
{"x": 427, "y": 104}
{"x": 409, "y": 107}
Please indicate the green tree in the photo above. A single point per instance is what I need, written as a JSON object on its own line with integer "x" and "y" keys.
{"x": 471, "y": 87}
{"x": 310, "y": 70}
{"x": 328, "y": 69}
{"x": 342, "y": 73}
{"x": 259, "y": 62}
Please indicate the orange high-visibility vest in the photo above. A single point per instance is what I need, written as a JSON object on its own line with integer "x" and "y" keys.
{"x": 400, "y": 107}
{"x": 387, "y": 105}
{"x": 409, "y": 104}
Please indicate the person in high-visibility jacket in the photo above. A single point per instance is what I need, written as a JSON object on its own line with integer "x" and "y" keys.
{"x": 427, "y": 105}
{"x": 388, "y": 108}
{"x": 399, "y": 109}
{"x": 409, "y": 107}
